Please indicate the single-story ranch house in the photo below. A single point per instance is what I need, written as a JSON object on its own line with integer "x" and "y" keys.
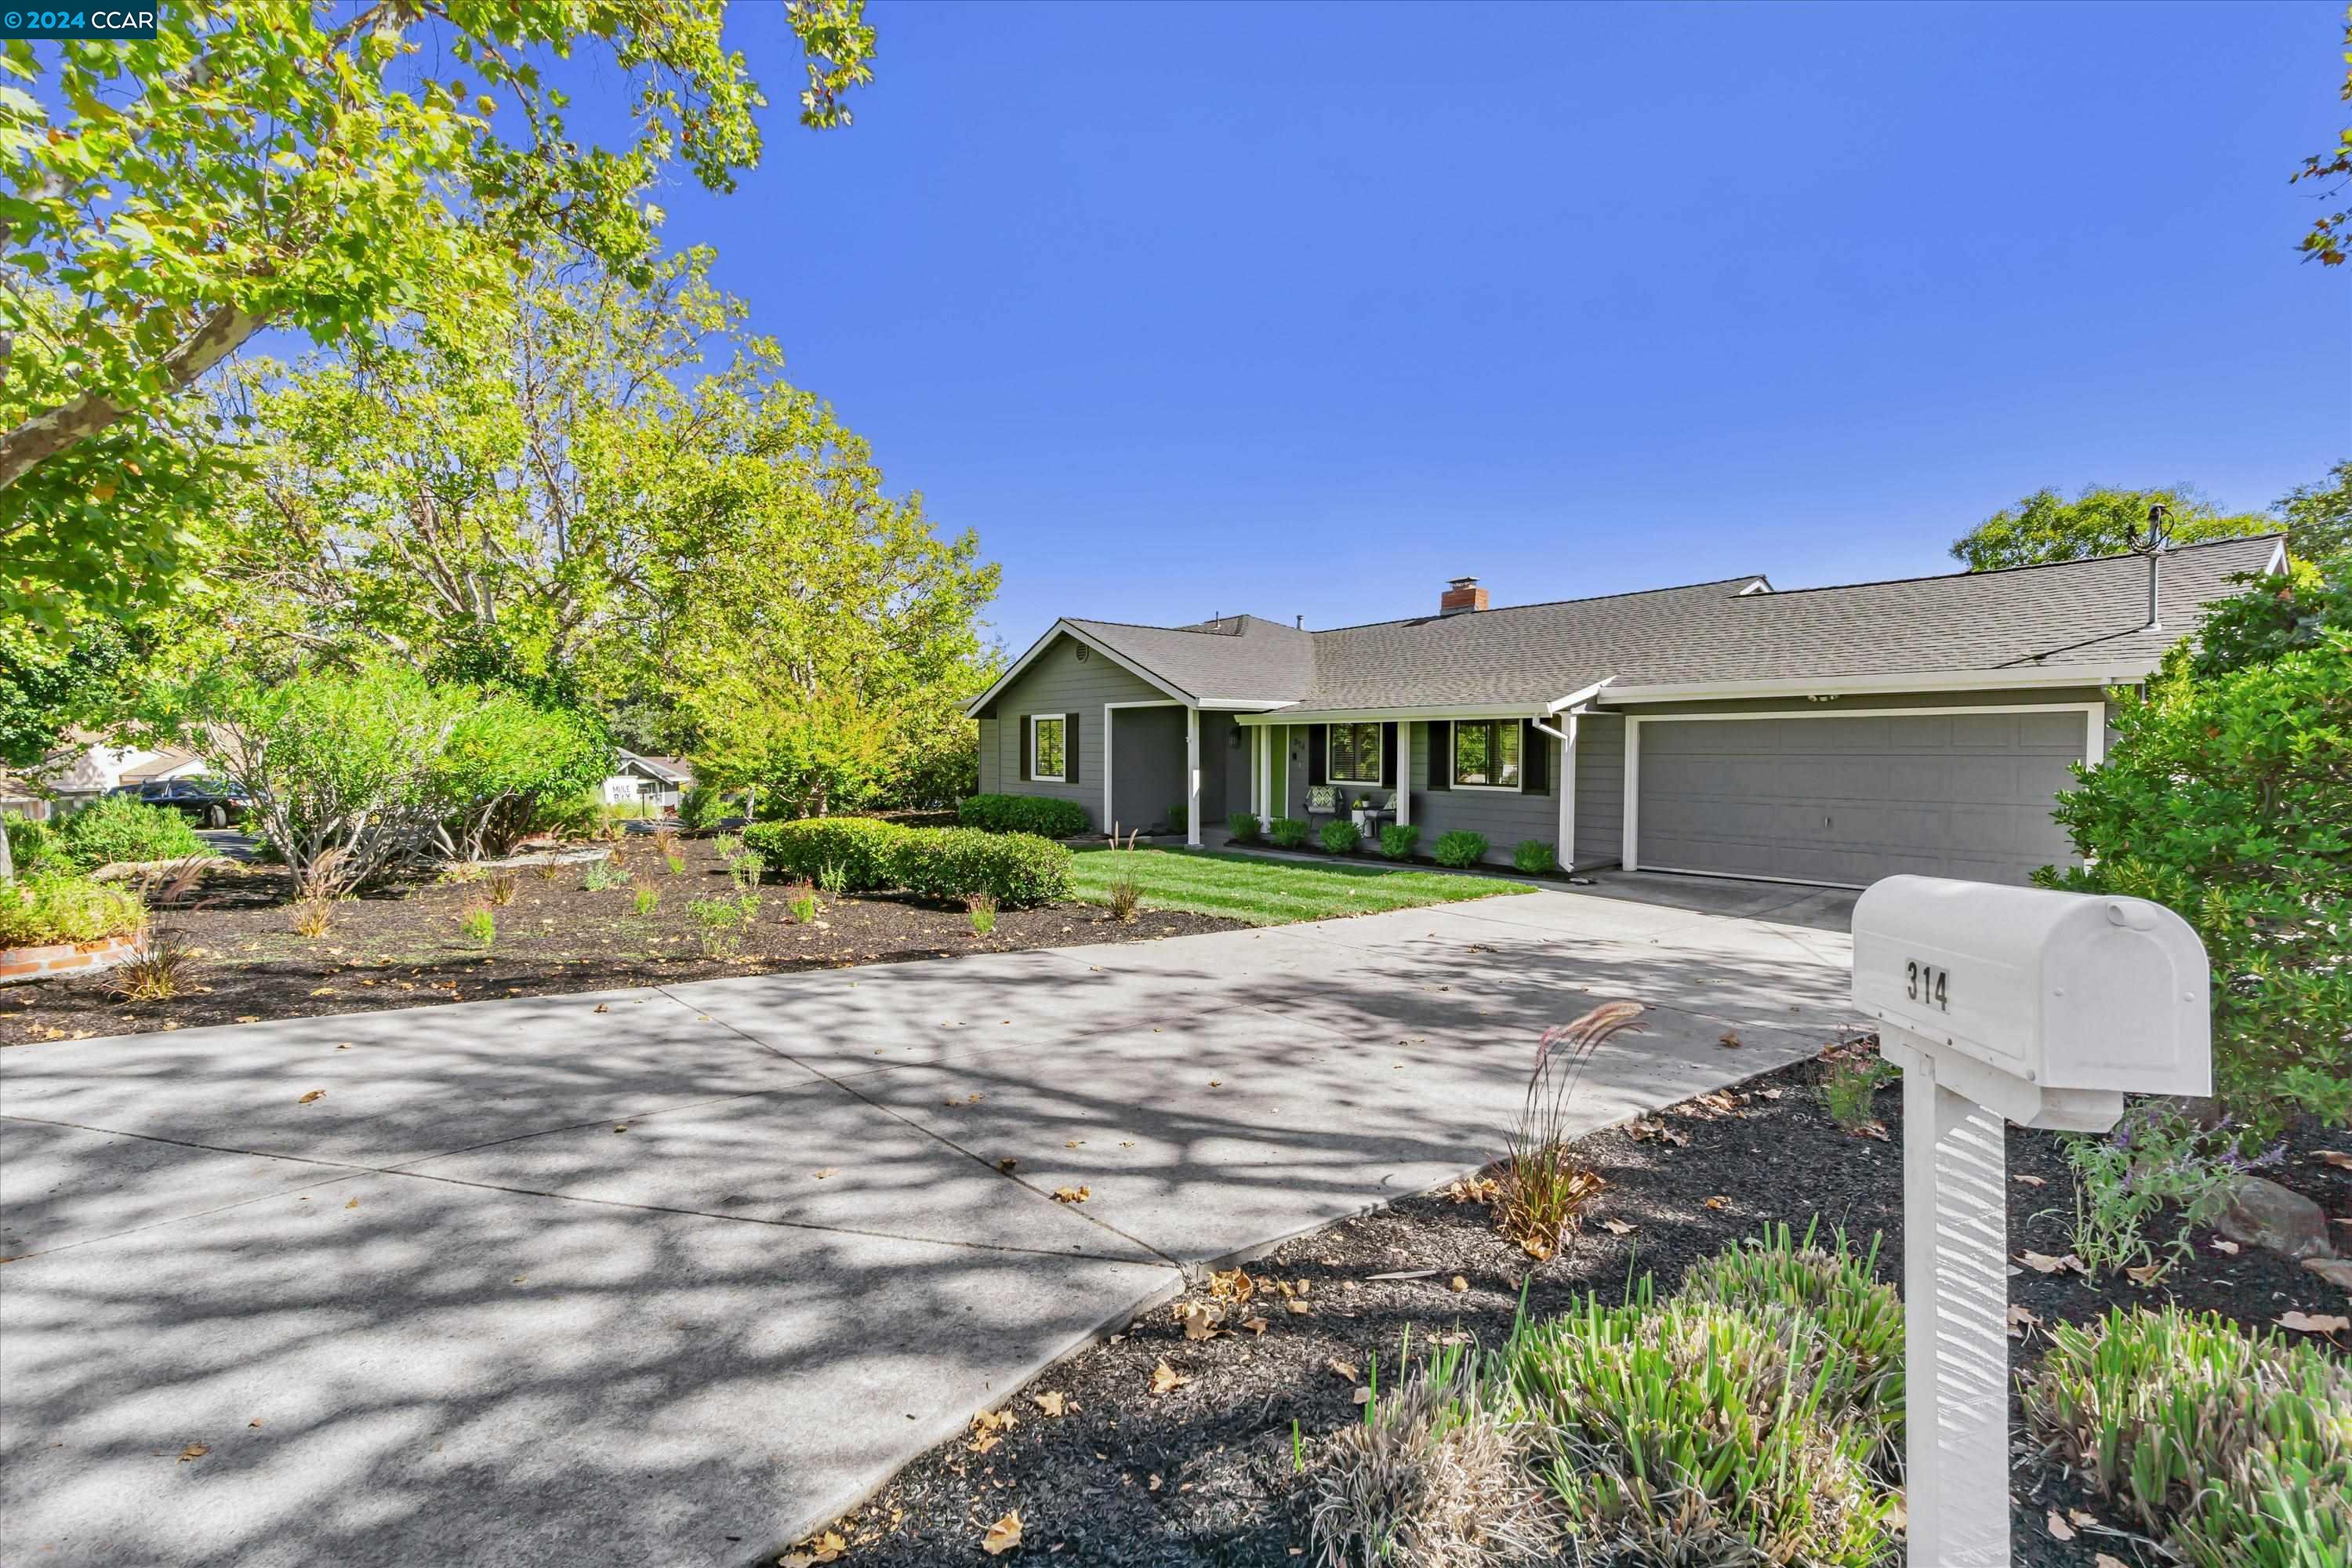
{"x": 1820, "y": 735}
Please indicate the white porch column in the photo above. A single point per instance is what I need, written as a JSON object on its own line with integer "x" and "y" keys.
{"x": 1193, "y": 776}
{"x": 1567, "y": 793}
{"x": 1264, "y": 774}
{"x": 1405, "y": 773}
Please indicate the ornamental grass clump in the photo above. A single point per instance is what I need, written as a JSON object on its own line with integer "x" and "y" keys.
{"x": 162, "y": 969}
{"x": 980, "y": 908}
{"x": 2236, "y": 1448}
{"x": 480, "y": 926}
{"x": 1544, "y": 1183}
{"x": 800, "y": 902}
{"x": 648, "y": 900}
{"x": 1850, "y": 1088}
{"x": 1701, "y": 1432}
{"x": 1435, "y": 1474}
{"x": 503, "y": 887}
{"x": 721, "y": 922}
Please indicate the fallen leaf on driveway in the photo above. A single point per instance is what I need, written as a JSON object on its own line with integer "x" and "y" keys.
{"x": 2308, "y": 1324}
{"x": 314, "y": 1094}
{"x": 601, "y": 1008}
{"x": 1728, "y": 1040}
{"x": 324, "y": 991}
{"x": 193, "y": 1451}
{"x": 1051, "y": 1402}
{"x": 1006, "y": 1165}
{"x": 2059, "y": 1529}
{"x": 1165, "y": 1378}
{"x": 248, "y": 1017}
{"x": 1618, "y": 1227}
{"x": 255, "y": 1423}
{"x": 1003, "y": 1536}
{"x": 1342, "y": 1368}
{"x": 352, "y": 1204}
{"x": 828, "y": 1170}
{"x": 1072, "y": 1194}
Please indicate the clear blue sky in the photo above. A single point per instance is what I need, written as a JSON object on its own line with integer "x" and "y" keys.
{"x": 1302, "y": 309}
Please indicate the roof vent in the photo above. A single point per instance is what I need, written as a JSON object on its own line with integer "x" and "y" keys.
{"x": 1462, "y": 595}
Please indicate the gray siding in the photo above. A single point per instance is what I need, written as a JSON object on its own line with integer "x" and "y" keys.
{"x": 1147, "y": 748}
{"x": 1600, "y": 789}
{"x": 1058, "y": 681}
{"x": 1504, "y": 817}
{"x": 989, "y": 756}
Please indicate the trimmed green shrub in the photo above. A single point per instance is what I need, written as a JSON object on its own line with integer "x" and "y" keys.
{"x": 1341, "y": 836}
{"x": 1289, "y": 832}
{"x": 859, "y": 846}
{"x": 2236, "y": 1448}
{"x": 1534, "y": 856}
{"x": 36, "y": 911}
{"x": 33, "y": 846}
{"x": 1243, "y": 826}
{"x": 859, "y": 854}
{"x": 1399, "y": 839}
{"x": 1042, "y": 815}
{"x": 1698, "y": 1432}
{"x": 953, "y": 863}
{"x": 2230, "y": 800}
{"x": 500, "y": 759}
{"x": 699, "y": 809}
{"x": 120, "y": 827}
{"x": 1460, "y": 848}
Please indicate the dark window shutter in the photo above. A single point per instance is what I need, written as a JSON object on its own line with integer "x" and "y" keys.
{"x": 1535, "y": 759}
{"x": 1440, "y": 754}
{"x": 1025, "y": 752}
{"x": 1318, "y": 754}
{"x": 1069, "y": 748}
{"x": 1388, "y": 756}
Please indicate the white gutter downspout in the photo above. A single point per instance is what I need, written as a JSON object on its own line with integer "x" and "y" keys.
{"x": 1567, "y": 739}
{"x": 1579, "y": 698}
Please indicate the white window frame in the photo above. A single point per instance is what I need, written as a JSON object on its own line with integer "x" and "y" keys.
{"x": 1454, "y": 767}
{"x": 1330, "y": 738}
{"x": 1037, "y": 722}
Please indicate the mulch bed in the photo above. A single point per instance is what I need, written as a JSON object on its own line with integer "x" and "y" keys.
{"x": 403, "y": 948}
{"x": 1204, "y": 1473}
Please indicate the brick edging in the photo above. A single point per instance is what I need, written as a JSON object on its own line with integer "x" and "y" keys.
{"x": 22, "y": 964}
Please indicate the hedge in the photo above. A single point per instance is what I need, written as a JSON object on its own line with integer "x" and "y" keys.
{"x": 40, "y": 910}
{"x": 1460, "y": 848}
{"x": 1038, "y": 814}
{"x": 955, "y": 862}
{"x": 935, "y": 862}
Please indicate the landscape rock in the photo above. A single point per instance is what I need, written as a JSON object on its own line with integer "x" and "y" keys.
{"x": 2264, "y": 1214}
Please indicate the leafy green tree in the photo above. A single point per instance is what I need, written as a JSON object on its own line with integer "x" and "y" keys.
{"x": 320, "y": 169}
{"x": 2319, "y": 516}
{"x": 2272, "y": 616}
{"x": 2228, "y": 797}
{"x": 2325, "y": 242}
{"x": 2046, "y": 527}
{"x": 50, "y": 682}
{"x": 501, "y": 761}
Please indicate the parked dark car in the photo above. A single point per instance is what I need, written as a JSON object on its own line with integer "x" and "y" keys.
{"x": 211, "y": 802}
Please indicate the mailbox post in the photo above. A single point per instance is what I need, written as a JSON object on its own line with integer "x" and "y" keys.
{"x": 2002, "y": 1004}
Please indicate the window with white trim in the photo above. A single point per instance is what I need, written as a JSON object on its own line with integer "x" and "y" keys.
{"x": 1355, "y": 756}
{"x": 1486, "y": 753}
{"x": 1048, "y": 748}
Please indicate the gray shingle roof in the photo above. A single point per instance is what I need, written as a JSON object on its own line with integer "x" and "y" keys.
{"x": 2089, "y": 615}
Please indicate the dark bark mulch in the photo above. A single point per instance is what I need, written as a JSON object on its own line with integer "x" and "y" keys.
{"x": 1204, "y": 1474}
{"x": 403, "y": 948}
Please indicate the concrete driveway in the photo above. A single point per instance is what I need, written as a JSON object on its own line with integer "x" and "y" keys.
{"x": 665, "y": 1276}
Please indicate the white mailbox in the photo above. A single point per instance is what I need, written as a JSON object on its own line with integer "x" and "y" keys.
{"x": 2002, "y": 1004}
{"x": 2052, "y": 1003}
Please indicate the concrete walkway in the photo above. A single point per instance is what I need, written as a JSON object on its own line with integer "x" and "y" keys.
{"x": 665, "y": 1276}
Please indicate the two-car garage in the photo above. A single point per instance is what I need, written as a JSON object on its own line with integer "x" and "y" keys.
{"x": 1845, "y": 797}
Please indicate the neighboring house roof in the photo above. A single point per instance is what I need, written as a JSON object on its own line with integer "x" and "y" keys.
{"x": 2078, "y": 622}
{"x": 158, "y": 765}
{"x": 668, "y": 770}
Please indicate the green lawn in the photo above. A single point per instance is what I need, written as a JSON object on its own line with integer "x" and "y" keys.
{"x": 1271, "y": 892}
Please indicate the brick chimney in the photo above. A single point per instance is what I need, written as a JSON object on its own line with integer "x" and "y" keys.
{"x": 1462, "y": 595}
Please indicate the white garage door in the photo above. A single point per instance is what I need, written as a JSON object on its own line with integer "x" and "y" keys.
{"x": 1849, "y": 799}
